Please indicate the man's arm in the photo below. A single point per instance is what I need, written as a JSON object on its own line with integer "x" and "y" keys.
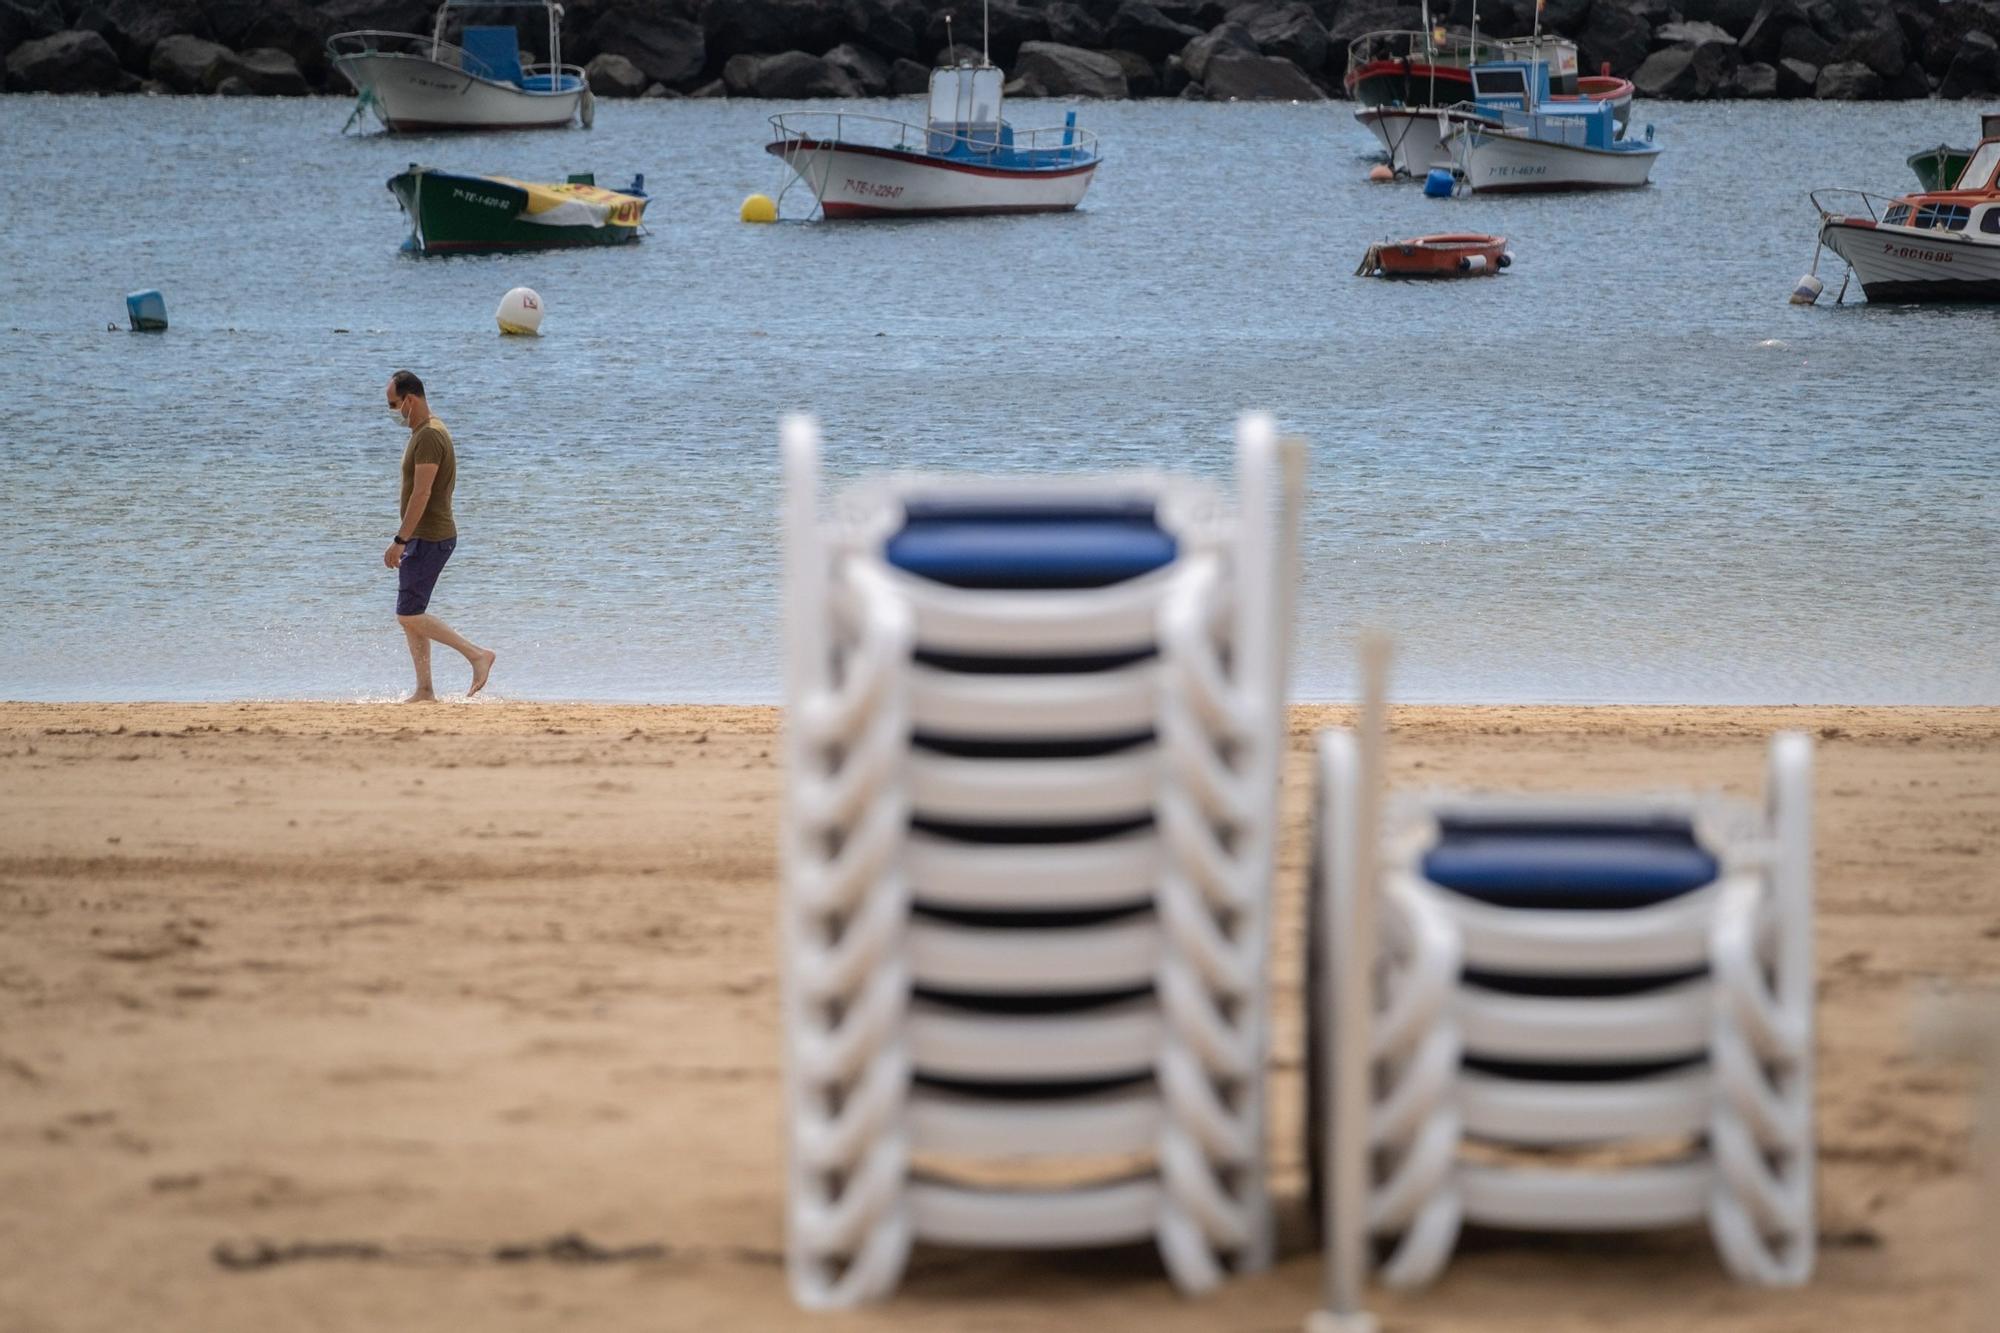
{"x": 423, "y": 477}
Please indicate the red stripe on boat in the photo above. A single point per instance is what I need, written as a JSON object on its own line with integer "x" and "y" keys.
{"x": 779, "y": 147}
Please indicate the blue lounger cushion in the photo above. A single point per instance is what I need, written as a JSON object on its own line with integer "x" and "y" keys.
{"x": 984, "y": 544}
{"x": 1577, "y": 866}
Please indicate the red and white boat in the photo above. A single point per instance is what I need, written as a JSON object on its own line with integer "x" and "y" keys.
{"x": 963, "y": 160}
{"x": 1413, "y": 114}
{"x": 1935, "y": 245}
{"x": 1450, "y": 255}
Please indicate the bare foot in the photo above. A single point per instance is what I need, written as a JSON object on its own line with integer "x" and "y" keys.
{"x": 421, "y": 697}
{"x": 482, "y": 667}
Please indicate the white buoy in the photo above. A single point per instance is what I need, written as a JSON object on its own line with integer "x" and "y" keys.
{"x": 1472, "y": 263}
{"x": 520, "y": 312}
{"x": 1808, "y": 290}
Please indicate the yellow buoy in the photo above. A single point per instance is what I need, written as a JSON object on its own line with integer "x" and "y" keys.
{"x": 759, "y": 208}
{"x": 1381, "y": 172}
{"x": 520, "y": 312}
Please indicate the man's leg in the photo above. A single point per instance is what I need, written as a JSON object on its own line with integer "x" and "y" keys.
{"x": 420, "y": 654}
{"x": 429, "y": 627}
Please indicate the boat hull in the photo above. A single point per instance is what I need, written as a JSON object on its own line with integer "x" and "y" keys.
{"x": 1907, "y": 264}
{"x": 452, "y": 214}
{"x": 853, "y": 181}
{"x": 1939, "y": 168}
{"x": 1412, "y": 83}
{"x": 1455, "y": 255}
{"x": 1510, "y": 164}
{"x": 418, "y": 96}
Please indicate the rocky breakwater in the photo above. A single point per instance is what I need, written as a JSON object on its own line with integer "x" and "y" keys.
{"x": 1216, "y": 50}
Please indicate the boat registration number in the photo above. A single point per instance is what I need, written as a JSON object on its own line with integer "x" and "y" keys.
{"x": 871, "y": 190}
{"x": 1916, "y": 252}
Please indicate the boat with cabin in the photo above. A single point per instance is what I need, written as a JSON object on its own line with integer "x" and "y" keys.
{"x": 1940, "y": 167}
{"x": 1514, "y": 139}
{"x": 1933, "y": 245}
{"x": 417, "y": 83}
{"x": 964, "y": 160}
{"x": 455, "y": 213}
{"x": 1401, "y": 81}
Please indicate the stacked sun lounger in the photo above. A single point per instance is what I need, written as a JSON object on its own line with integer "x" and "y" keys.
{"x": 1033, "y": 735}
{"x": 1586, "y": 1013}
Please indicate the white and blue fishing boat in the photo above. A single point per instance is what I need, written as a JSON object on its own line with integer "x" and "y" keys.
{"x": 417, "y": 83}
{"x": 1514, "y": 138}
{"x": 964, "y": 160}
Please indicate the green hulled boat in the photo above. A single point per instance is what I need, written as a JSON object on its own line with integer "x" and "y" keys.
{"x": 1938, "y": 168}
{"x": 455, "y": 214}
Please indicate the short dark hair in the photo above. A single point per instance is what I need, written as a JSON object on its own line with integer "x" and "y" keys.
{"x": 406, "y": 384}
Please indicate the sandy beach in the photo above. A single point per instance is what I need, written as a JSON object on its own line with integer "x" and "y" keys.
{"x": 337, "y": 1016}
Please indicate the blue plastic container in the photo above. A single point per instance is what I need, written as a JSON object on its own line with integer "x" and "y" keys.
{"x": 148, "y": 310}
{"x": 1438, "y": 185}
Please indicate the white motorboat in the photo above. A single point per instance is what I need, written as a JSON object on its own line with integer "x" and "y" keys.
{"x": 963, "y": 160}
{"x": 1936, "y": 245}
{"x": 416, "y": 83}
{"x": 1518, "y": 140}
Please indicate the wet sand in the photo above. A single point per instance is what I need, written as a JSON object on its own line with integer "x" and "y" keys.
{"x": 335, "y": 1016}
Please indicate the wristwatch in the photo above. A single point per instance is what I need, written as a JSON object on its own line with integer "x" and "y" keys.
{"x": 402, "y": 541}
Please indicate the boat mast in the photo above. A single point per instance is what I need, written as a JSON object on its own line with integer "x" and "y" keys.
{"x": 985, "y": 32}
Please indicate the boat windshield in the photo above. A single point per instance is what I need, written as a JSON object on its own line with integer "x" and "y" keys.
{"x": 1979, "y": 171}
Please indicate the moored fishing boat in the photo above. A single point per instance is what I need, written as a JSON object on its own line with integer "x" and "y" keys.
{"x": 416, "y": 83}
{"x": 1934, "y": 245}
{"x": 963, "y": 160}
{"x": 1415, "y": 135}
{"x": 1521, "y": 141}
{"x": 1938, "y": 168}
{"x": 1452, "y": 255}
{"x": 452, "y": 213}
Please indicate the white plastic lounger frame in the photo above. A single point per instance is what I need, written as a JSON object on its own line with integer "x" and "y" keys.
{"x": 958, "y": 1002}
{"x": 1735, "y": 1033}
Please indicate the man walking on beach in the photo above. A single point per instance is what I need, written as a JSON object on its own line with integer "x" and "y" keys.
{"x": 426, "y": 536}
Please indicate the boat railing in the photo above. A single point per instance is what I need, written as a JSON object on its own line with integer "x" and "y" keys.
{"x": 1059, "y": 145}
{"x": 1490, "y": 119}
{"x": 1868, "y": 201}
{"x": 558, "y": 78}
{"x": 1457, "y": 48}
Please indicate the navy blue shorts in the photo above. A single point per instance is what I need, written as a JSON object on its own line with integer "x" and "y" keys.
{"x": 423, "y": 561}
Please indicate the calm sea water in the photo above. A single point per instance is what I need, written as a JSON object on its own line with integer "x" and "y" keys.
{"x": 1624, "y": 471}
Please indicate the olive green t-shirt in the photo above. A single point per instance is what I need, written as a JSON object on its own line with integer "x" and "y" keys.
{"x": 430, "y": 443}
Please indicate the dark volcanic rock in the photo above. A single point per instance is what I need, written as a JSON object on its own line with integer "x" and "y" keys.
{"x": 1850, "y": 81}
{"x": 67, "y": 62}
{"x": 1072, "y": 25}
{"x": 1011, "y": 25}
{"x": 264, "y": 72}
{"x": 747, "y": 27}
{"x": 25, "y": 20}
{"x": 1667, "y": 74}
{"x": 1174, "y": 78}
{"x": 1141, "y": 79}
{"x": 793, "y": 75}
{"x": 866, "y": 70}
{"x": 907, "y": 77}
{"x": 1615, "y": 36}
{"x": 232, "y": 87}
{"x": 665, "y": 49}
{"x": 1715, "y": 66}
{"x": 1761, "y": 40}
{"x": 181, "y": 62}
{"x": 1138, "y": 26}
{"x": 1235, "y": 77}
{"x": 1802, "y": 43}
{"x": 1732, "y": 16}
{"x": 1754, "y": 80}
{"x": 1941, "y": 44}
{"x": 1224, "y": 37}
{"x": 1287, "y": 30}
{"x": 1976, "y": 71}
{"x": 135, "y": 27}
{"x": 291, "y": 26}
{"x": 1796, "y": 78}
{"x": 612, "y": 75}
{"x": 1690, "y": 34}
{"x": 1880, "y": 46}
{"x": 1069, "y": 71}
{"x": 385, "y": 15}
{"x": 893, "y": 27}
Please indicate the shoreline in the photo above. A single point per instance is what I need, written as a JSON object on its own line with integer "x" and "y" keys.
{"x": 395, "y": 991}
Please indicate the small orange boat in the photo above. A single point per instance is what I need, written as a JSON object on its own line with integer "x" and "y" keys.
{"x": 1454, "y": 255}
